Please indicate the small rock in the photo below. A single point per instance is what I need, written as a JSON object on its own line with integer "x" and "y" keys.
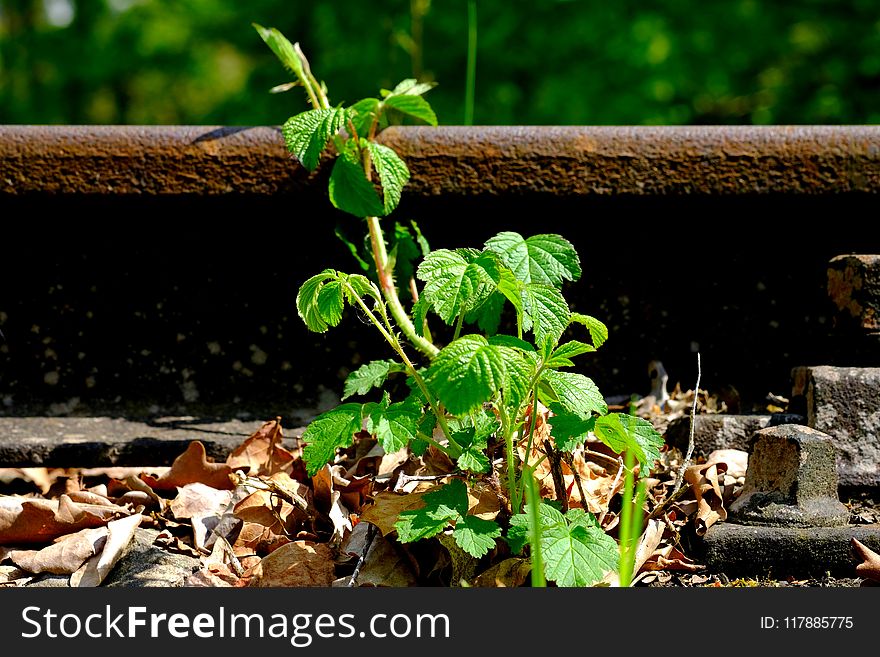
{"x": 148, "y": 565}
{"x": 791, "y": 480}
{"x": 713, "y": 432}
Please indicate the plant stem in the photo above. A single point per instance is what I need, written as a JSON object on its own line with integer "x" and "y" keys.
{"x": 507, "y": 431}
{"x": 458, "y": 325}
{"x": 471, "y": 81}
{"x": 533, "y": 503}
{"x": 624, "y": 568}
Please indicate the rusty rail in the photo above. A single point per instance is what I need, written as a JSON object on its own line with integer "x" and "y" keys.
{"x": 568, "y": 161}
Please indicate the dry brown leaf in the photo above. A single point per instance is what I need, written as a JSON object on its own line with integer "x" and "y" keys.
{"x": 483, "y": 502}
{"x": 63, "y": 557}
{"x": 383, "y": 565}
{"x": 869, "y": 568}
{"x": 31, "y": 520}
{"x": 119, "y": 536}
{"x": 704, "y": 482}
{"x": 190, "y": 467}
{"x": 87, "y": 497}
{"x": 736, "y": 460}
{"x": 263, "y": 453}
{"x": 297, "y": 564}
{"x": 199, "y": 500}
{"x": 213, "y": 576}
{"x": 509, "y": 573}
{"x": 671, "y": 558}
{"x": 386, "y": 507}
{"x": 13, "y": 576}
{"x": 255, "y": 538}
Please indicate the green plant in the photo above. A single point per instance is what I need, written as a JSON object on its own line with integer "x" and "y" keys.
{"x": 482, "y": 385}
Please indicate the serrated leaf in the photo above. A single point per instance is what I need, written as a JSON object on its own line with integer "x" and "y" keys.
{"x": 282, "y": 48}
{"x": 362, "y": 114}
{"x": 598, "y": 330}
{"x": 621, "y": 431}
{"x": 309, "y": 304}
{"x": 542, "y": 259}
{"x": 562, "y": 355}
{"x": 466, "y": 373}
{"x": 517, "y": 536}
{"x": 575, "y": 554}
{"x": 330, "y": 302}
{"x": 476, "y": 536}
{"x": 473, "y": 441}
{"x": 442, "y": 506}
{"x": 328, "y": 432}
{"x": 545, "y": 312}
{"x": 575, "y": 393}
{"x": 349, "y": 189}
{"x": 488, "y": 315}
{"x": 395, "y": 426}
{"x": 457, "y": 281}
{"x": 368, "y": 376}
{"x": 569, "y": 431}
{"x": 307, "y": 134}
{"x": 361, "y": 286}
{"x": 473, "y": 460}
{"x": 414, "y": 106}
{"x": 393, "y": 173}
{"x": 420, "y": 314}
{"x": 518, "y": 373}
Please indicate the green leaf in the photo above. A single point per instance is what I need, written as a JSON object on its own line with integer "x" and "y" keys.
{"x": 466, "y": 373}
{"x": 392, "y": 171}
{"x": 575, "y": 553}
{"x": 518, "y": 374}
{"x": 350, "y": 191}
{"x": 282, "y": 48}
{"x": 328, "y": 432}
{"x": 476, "y": 536}
{"x": 575, "y": 393}
{"x": 411, "y": 87}
{"x": 517, "y": 536}
{"x": 362, "y": 114}
{"x": 458, "y": 281}
{"x": 395, "y": 426}
{"x": 443, "y": 506}
{"x": 331, "y": 303}
{"x": 312, "y": 305}
{"x": 569, "y": 431}
{"x": 562, "y": 355}
{"x": 307, "y": 134}
{"x": 473, "y": 443}
{"x": 545, "y": 312}
{"x": 414, "y": 106}
{"x": 621, "y": 432}
{"x": 420, "y": 314}
{"x": 598, "y": 330}
{"x": 487, "y": 316}
{"x": 542, "y": 259}
{"x": 370, "y": 375}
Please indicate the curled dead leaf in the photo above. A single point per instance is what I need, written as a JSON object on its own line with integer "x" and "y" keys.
{"x": 705, "y": 484}
{"x": 32, "y": 520}
{"x": 190, "y": 467}
{"x": 263, "y": 453}
{"x": 509, "y": 573}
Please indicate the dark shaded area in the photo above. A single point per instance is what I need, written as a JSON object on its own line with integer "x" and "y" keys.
{"x": 141, "y": 305}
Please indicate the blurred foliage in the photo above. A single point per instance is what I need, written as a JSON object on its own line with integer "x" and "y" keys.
{"x": 539, "y": 62}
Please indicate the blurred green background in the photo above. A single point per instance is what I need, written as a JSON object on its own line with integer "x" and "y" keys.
{"x": 539, "y": 62}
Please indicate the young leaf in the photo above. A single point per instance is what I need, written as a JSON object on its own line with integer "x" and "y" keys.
{"x": 410, "y": 87}
{"x": 569, "y": 431}
{"x": 395, "y": 426}
{"x": 350, "y": 191}
{"x": 318, "y": 311}
{"x": 442, "y": 507}
{"x": 414, "y": 106}
{"x": 362, "y": 115}
{"x": 575, "y": 553}
{"x": 370, "y": 375}
{"x": 621, "y": 431}
{"x": 457, "y": 281}
{"x": 282, "y": 48}
{"x": 575, "y": 393}
{"x": 475, "y": 535}
{"x": 562, "y": 355}
{"x": 545, "y": 312}
{"x": 518, "y": 373}
{"x": 328, "y": 432}
{"x": 542, "y": 259}
{"x": 307, "y": 134}
{"x": 598, "y": 331}
{"x": 473, "y": 444}
{"x": 466, "y": 373}
{"x": 517, "y": 536}
{"x": 392, "y": 171}
{"x": 330, "y": 302}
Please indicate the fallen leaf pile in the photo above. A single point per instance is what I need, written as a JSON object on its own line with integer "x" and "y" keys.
{"x": 258, "y": 520}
